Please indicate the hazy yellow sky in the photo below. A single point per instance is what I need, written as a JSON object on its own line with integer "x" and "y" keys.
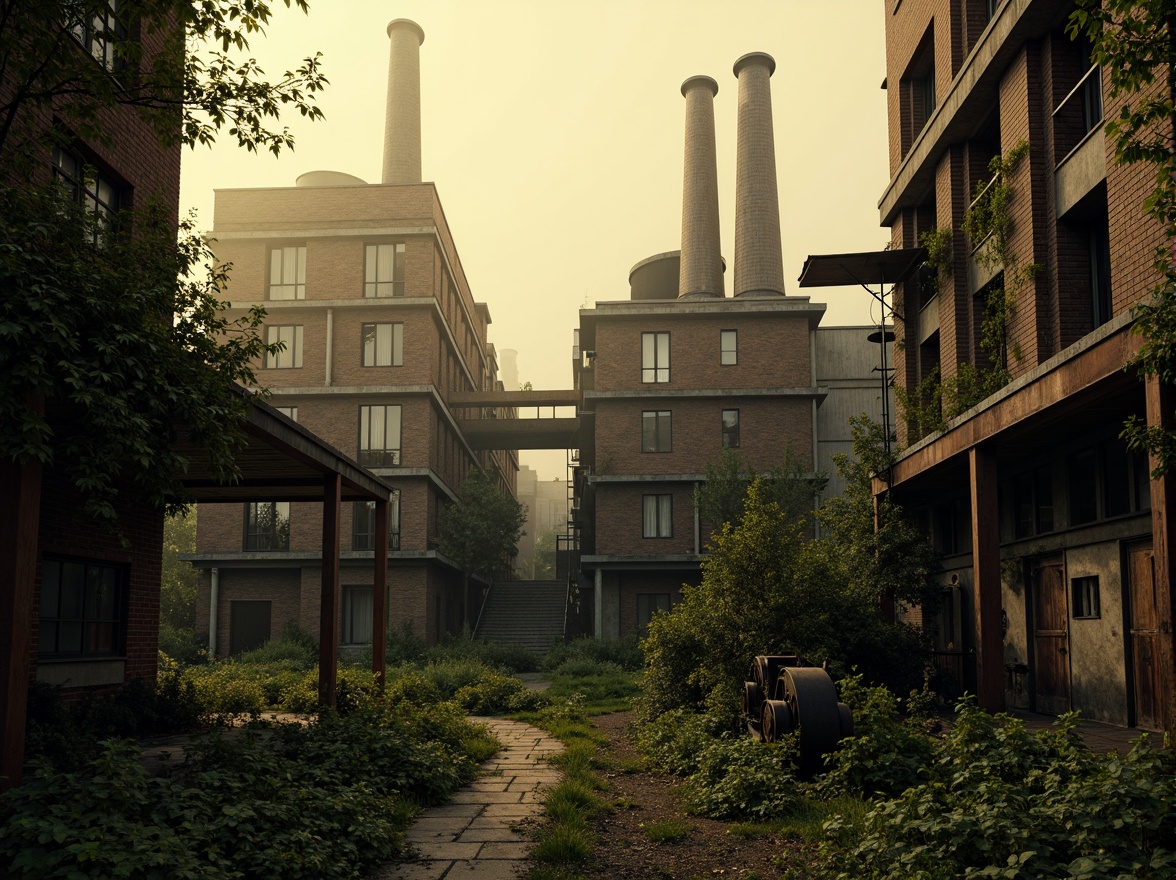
{"x": 554, "y": 132}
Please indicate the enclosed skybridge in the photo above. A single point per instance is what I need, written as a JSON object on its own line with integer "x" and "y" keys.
{"x": 518, "y": 419}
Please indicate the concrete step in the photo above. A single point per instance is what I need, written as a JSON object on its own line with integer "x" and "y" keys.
{"x": 526, "y": 613}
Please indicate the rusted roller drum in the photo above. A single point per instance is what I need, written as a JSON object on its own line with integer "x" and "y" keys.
{"x": 760, "y": 674}
{"x": 778, "y": 720}
{"x": 810, "y": 695}
{"x": 846, "y": 719}
{"x": 753, "y": 700}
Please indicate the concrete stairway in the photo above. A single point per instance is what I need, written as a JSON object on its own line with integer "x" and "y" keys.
{"x": 527, "y": 613}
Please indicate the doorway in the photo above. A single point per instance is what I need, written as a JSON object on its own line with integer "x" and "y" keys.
{"x": 1143, "y": 624}
{"x": 1051, "y": 637}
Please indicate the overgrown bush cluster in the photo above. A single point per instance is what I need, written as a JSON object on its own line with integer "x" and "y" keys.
{"x": 324, "y": 800}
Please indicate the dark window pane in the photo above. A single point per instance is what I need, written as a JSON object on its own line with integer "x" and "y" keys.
{"x": 50, "y": 589}
{"x": 1083, "y": 488}
{"x": 69, "y": 637}
{"x": 1043, "y": 492}
{"x": 1116, "y": 479}
{"x": 73, "y": 581}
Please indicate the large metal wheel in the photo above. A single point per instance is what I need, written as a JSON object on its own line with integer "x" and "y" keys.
{"x": 812, "y": 699}
{"x": 778, "y": 720}
{"x": 753, "y": 700}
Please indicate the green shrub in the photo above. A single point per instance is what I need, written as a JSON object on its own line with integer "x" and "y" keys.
{"x": 510, "y": 658}
{"x": 1004, "y": 802}
{"x": 186, "y": 646}
{"x": 625, "y": 653}
{"x": 226, "y": 688}
{"x": 675, "y": 740}
{"x": 739, "y": 778}
{"x": 885, "y": 756}
{"x": 495, "y": 693}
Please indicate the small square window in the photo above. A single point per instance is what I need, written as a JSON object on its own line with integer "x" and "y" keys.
{"x": 1087, "y": 600}
{"x": 267, "y": 525}
{"x": 728, "y": 347}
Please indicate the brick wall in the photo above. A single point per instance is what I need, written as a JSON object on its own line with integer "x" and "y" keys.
{"x": 618, "y": 519}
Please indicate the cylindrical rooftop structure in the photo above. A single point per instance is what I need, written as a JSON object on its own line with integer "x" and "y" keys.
{"x": 701, "y": 272}
{"x": 759, "y": 261}
{"x": 402, "y": 118}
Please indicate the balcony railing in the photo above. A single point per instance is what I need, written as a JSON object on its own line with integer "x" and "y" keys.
{"x": 1079, "y": 113}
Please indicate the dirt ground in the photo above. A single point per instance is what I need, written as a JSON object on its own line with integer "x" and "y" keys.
{"x": 624, "y": 850}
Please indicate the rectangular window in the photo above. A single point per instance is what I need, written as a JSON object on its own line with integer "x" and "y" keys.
{"x": 267, "y": 525}
{"x": 1087, "y": 601}
{"x": 655, "y": 357}
{"x": 1033, "y": 503}
{"x": 290, "y": 357}
{"x": 655, "y": 431}
{"x": 290, "y": 412}
{"x": 383, "y": 273}
{"x": 1100, "y": 273}
{"x": 356, "y": 615}
{"x": 287, "y": 272}
{"x": 730, "y": 429}
{"x": 657, "y": 516}
{"x": 649, "y": 604}
{"x": 81, "y": 609}
{"x": 82, "y": 184}
{"x": 728, "y": 347}
{"x": 379, "y": 436}
{"x": 383, "y": 345}
{"x": 364, "y": 524}
{"x": 100, "y": 35}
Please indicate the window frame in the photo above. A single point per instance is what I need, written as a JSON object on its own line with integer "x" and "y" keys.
{"x": 297, "y": 286}
{"x": 92, "y": 614}
{"x": 293, "y": 350}
{"x": 383, "y": 456}
{"x": 657, "y": 431}
{"x": 728, "y": 354}
{"x": 100, "y": 36}
{"x": 1085, "y": 598}
{"x": 726, "y": 430}
{"x": 363, "y": 525}
{"x": 653, "y": 371}
{"x": 99, "y": 193}
{"x": 276, "y": 535}
{"x": 657, "y": 515}
{"x": 395, "y": 343}
{"x": 375, "y": 286}
{"x": 347, "y": 611}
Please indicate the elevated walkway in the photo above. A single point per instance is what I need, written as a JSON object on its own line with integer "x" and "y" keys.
{"x": 527, "y": 613}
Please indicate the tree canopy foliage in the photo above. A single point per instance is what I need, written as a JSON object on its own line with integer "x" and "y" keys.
{"x": 75, "y": 59}
{"x": 768, "y": 589}
{"x": 481, "y": 530}
{"x": 720, "y": 499}
{"x": 112, "y": 336}
{"x": 1135, "y": 44}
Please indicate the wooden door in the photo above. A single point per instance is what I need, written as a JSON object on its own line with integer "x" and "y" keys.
{"x": 249, "y": 625}
{"x": 1143, "y": 622}
{"x": 1051, "y": 638}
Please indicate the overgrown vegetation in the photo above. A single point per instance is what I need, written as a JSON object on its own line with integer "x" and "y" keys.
{"x": 720, "y": 498}
{"x": 768, "y": 588}
{"x": 1133, "y": 44}
{"x": 935, "y": 400}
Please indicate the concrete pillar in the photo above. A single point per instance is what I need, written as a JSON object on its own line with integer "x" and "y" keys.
{"x": 701, "y": 272}
{"x": 759, "y": 261}
{"x": 402, "y": 119}
{"x": 986, "y": 588}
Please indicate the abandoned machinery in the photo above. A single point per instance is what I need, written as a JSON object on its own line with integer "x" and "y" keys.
{"x": 783, "y": 694}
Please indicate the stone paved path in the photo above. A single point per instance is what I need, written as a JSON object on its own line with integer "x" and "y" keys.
{"x": 473, "y": 835}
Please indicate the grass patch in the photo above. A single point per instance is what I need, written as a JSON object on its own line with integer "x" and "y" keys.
{"x": 566, "y": 843}
{"x": 668, "y": 830}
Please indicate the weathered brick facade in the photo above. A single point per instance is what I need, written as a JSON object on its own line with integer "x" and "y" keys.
{"x": 443, "y": 349}
{"x": 1040, "y": 512}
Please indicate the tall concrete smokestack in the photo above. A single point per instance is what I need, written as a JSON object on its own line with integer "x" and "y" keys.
{"x": 402, "y": 119}
{"x": 701, "y": 272}
{"x": 759, "y": 263}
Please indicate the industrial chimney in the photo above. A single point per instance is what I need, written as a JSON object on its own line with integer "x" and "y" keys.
{"x": 759, "y": 262}
{"x": 701, "y": 272}
{"x": 402, "y": 119}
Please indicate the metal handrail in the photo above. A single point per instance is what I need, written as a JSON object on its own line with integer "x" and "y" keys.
{"x": 485, "y": 601}
{"x": 1077, "y": 88}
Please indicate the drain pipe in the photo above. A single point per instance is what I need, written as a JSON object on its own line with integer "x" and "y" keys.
{"x": 330, "y": 345}
{"x": 213, "y": 600}
{"x": 697, "y": 525}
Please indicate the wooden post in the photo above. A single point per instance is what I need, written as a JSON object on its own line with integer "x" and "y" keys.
{"x": 20, "y": 517}
{"x": 329, "y": 608}
{"x": 986, "y": 579}
{"x": 380, "y": 593}
{"x": 1161, "y": 405}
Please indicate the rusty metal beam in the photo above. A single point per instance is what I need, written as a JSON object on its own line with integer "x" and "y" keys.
{"x": 986, "y": 579}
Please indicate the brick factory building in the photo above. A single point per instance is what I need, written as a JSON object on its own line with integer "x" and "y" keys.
{"x": 1056, "y": 545}
{"x": 364, "y": 285}
{"x": 680, "y": 371}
